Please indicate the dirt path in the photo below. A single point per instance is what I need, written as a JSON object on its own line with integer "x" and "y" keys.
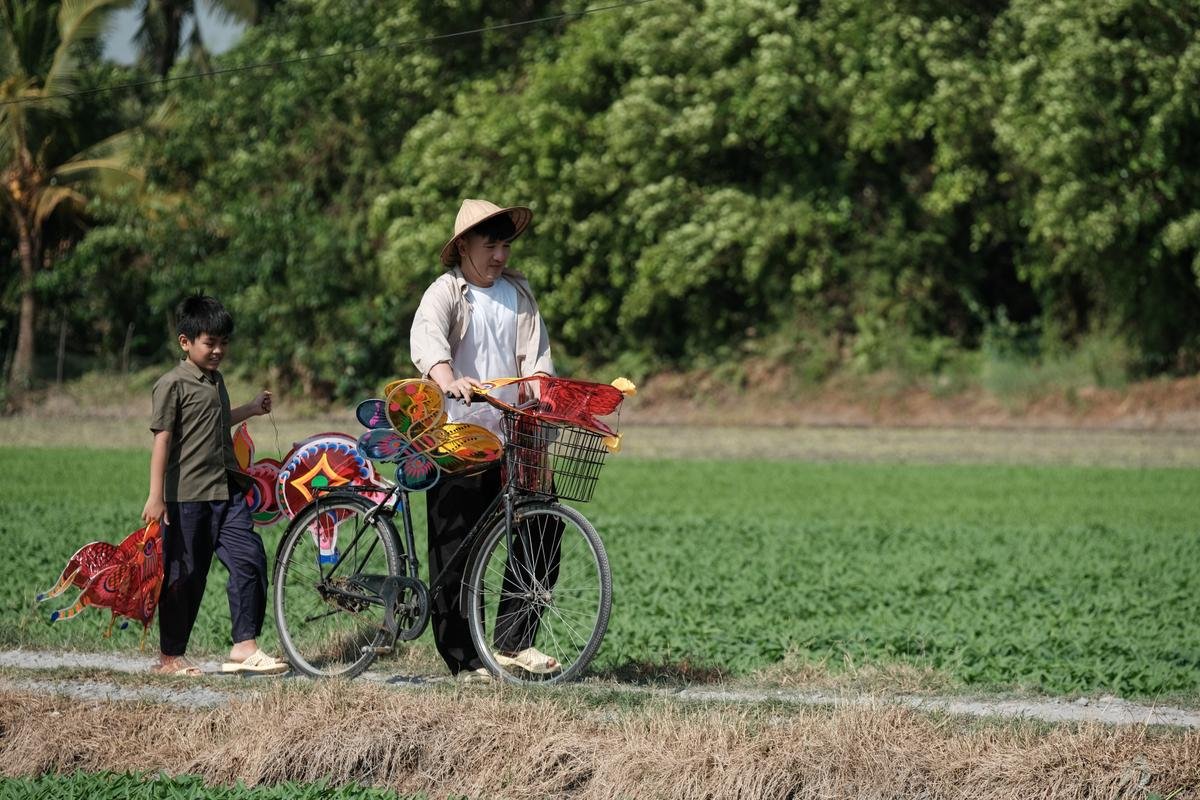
{"x": 34, "y": 666}
{"x": 1073, "y": 446}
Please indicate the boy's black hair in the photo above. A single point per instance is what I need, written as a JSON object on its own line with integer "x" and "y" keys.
{"x": 203, "y": 314}
{"x": 497, "y": 229}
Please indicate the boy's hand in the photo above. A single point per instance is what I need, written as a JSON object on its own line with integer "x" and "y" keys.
{"x": 262, "y": 404}
{"x": 155, "y": 509}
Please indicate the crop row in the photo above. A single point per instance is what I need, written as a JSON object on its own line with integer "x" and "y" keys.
{"x": 1058, "y": 579}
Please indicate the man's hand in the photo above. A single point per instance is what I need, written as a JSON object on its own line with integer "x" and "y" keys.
{"x": 461, "y": 388}
{"x": 443, "y": 376}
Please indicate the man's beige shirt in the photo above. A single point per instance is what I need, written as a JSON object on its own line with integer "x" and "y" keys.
{"x": 445, "y": 313}
{"x": 193, "y": 405}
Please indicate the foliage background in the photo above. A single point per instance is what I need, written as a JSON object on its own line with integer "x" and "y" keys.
{"x": 825, "y": 186}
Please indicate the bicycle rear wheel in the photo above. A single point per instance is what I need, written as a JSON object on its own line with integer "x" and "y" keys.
{"x": 550, "y": 589}
{"x": 330, "y": 615}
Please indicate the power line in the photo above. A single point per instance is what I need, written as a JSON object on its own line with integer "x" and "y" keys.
{"x": 318, "y": 56}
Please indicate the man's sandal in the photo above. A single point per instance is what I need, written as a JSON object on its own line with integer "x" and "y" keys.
{"x": 257, "y": 663}
{"x": 478, "y": 675}
{"x": 531, "y": 660}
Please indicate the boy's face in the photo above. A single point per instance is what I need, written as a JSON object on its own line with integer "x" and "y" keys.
{"x": 482, "y": 260}
{"x": 205, "y": 351}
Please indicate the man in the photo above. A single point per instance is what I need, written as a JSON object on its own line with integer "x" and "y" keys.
{"x": 478, "y": 320}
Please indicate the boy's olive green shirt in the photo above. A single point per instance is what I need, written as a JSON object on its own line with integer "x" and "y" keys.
{"x": 193, "y": 405}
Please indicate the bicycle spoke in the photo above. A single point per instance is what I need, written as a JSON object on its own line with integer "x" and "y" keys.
{"x": 579, "y": 636}
{"x": 551, "y": 586}
{"x": 330, "y": 626}
{"x": 513, "y": 617}
{"x": 564, "y": 613}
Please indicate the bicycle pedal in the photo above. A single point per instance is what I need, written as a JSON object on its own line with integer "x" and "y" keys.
{"x": 382, "y": 650}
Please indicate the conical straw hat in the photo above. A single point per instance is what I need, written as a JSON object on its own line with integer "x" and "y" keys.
{"x": 472, "y": 213}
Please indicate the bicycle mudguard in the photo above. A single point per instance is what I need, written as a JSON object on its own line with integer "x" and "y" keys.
{"x": 354, "y": 491}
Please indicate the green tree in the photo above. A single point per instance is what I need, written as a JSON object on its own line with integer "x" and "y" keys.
{"x": 843, "y": 182}
{"x": 1097, "y": 123}
{"x": 277, "y": 172}
{"x": 883, "y": 173}
{"x": 42, "y": 173}
{"x": 160, "y": 33}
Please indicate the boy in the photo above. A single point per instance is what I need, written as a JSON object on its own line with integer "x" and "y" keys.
{"x": 478, "y": 320}
{"x": 195, "y": 484}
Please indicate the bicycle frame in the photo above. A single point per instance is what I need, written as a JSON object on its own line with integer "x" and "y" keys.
{"x": 512, "y": 593}
{"x": 504, "y": 505}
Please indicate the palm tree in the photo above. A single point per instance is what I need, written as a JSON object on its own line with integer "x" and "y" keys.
{"x": 40, "y": 43}
{"x": 160, "y": 34}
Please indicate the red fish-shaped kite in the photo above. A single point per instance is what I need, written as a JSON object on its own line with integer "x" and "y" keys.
{"x": 568, "y": 401}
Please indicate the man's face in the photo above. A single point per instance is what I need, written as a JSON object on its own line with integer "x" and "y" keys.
{"x": 205, "y": 351}
{"x": 482, "y": 259}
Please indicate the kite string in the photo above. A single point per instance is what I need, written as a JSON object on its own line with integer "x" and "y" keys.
{"x": 278, "y": 449}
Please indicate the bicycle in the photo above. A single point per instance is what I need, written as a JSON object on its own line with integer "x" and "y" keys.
{"x": 536, "y": 569}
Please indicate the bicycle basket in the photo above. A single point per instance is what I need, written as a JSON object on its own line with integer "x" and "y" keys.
{"x": 553, "y": 458}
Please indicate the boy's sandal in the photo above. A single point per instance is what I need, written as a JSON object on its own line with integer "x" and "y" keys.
{"x": 257, "y": 663}
{"x": 531, "y": 660}
{"x": 178, "y": 668}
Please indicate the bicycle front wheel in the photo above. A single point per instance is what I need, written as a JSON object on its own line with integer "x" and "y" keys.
{"x": 544, "y": 591}
{"x": 328, "y": 609}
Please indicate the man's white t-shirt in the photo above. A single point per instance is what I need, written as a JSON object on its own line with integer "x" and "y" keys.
{"x": 488, "y": 350}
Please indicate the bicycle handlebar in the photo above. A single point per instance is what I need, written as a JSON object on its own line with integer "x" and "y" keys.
{"x": 477, "y": 397}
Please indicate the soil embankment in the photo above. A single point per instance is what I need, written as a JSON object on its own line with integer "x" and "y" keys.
{"x": 1166, "y": 404}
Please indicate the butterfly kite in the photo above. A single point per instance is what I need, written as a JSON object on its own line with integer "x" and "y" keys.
{"x": 410, "y": 429}
{"x": 124, "y": 578}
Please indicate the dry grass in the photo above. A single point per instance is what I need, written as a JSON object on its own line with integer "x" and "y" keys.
{"x": 499, "y": 743}
{"x": 1116, "y": 448}
{"x": 1156, "y": 423}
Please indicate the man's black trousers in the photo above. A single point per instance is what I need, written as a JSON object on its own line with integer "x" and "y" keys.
{"x": 453, "y": 506}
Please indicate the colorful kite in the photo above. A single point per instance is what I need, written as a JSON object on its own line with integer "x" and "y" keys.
{"x": 124, "y": 578}
{"x": 264, "y": 507}
{"x": 562, "y": 400}
{"x": 127, "y": 578}
{"x": 409, "y": 429}
{"x": 320, "y": 462}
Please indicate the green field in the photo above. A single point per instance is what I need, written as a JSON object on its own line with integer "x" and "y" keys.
{"x": 1050, "y": 578}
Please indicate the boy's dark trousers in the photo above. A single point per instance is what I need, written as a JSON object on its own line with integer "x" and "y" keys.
{"x": 453, "y": 507}
{"x": 195, "y": 531}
